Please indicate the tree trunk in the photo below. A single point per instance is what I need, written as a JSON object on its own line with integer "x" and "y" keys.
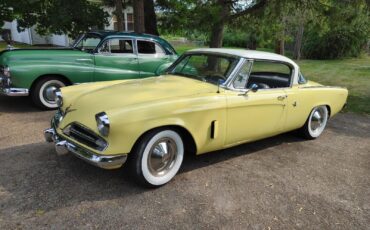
{"x": 217, "y": 33}
{"x": 139, "y": 24}
{"x": 119, "y": 15}
{"x": 298, "y": 43}
{"x": 150, "y": 18}
{"x": 280, "y": 46}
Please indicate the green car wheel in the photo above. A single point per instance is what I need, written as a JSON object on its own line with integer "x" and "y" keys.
{"x": 43, "y": 92}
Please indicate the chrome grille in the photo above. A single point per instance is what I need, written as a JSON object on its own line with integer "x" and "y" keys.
{"x": 85, "y": 136}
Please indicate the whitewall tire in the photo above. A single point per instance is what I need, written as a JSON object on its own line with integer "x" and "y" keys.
{"x": 158, "y": 157}
{"x": 316, "y": 122}
{"x": 43, "y": 92}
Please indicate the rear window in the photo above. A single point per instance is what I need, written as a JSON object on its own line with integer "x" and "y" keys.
{"x": 269, "y": 74}
{"x": 148, "y": 47}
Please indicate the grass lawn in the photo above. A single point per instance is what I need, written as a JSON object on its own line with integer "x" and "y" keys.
{"x": 3, "y": 45}
{"x": 353, "y": 73}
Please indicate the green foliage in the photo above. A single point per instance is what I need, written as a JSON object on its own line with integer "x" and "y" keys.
{"x": 342, "y": 33}
{"x": 71, "y": 17}
{"x": 236, "y": 38}
{"x": 198, "y": 17}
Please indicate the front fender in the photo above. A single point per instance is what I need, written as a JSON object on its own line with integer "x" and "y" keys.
{"x": 23, "y": 76}
{"x": 194, "y": 114}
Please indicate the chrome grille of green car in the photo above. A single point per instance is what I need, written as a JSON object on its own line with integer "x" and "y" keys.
{"x": 85, "y": 136}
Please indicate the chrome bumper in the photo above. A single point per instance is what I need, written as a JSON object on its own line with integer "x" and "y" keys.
{"x": 14, "y": 92}
{"x": 63, "y": 146}
{"x": 5, "y": 88}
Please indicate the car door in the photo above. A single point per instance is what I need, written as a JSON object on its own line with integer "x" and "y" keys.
{"x": 253, "y": 113}
{"x": 116, "y": 59}
{"x": 152, "y": 57}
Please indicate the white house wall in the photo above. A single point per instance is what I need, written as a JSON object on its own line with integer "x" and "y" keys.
{"x": 59, "y": 40}
{"x": 22, "y": 37}
{"x": 29, "y": 36}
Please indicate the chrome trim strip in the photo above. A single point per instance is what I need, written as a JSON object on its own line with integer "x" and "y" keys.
{"x": 320, "y": 86}
{"x": 13, "y": 92}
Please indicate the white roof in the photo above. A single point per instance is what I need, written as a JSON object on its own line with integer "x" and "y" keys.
{"x": 250, "y": 54}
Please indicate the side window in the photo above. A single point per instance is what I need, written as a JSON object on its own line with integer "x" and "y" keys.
{"x": 242, "y": 76}
{"x": 117, "y": 46}
{"x": 148, "y": 47}
{"x": 268, "y": 74}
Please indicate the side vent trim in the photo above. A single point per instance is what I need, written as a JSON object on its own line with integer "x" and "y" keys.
{"x": 214, "y": 129}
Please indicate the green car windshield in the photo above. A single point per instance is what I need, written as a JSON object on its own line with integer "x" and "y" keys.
{"x": 211, "y": 68}
{"x": 87, "y": 42}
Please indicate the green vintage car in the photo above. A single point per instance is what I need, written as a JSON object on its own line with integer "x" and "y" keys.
{"x": 95, "y": 56}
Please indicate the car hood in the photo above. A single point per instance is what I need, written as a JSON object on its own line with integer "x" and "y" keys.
{"x": 28, "y": 56}
{"x": 97, "y": 97}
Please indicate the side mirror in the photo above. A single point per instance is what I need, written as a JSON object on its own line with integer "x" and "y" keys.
{"x": 254, "y": 88}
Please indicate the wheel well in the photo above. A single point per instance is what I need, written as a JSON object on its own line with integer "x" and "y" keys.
{"x": 189, "y": 143}
{"x": 57, "y": 76}
{"x": 329, "y": 110}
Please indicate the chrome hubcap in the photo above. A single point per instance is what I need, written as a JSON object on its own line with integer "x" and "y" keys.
{"x": 49, "y": 92}
{"x": 317, "y": 119}
{"x": 162, "y": 156}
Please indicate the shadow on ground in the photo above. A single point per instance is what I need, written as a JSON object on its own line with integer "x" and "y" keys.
{"x": 17, "y": 105}
{"x": 38, "y": 179}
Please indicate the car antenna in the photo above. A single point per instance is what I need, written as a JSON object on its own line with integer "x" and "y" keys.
{"x": 218, "y": 85}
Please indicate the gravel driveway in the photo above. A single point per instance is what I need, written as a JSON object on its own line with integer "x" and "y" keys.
{"x": 282, "y": 182}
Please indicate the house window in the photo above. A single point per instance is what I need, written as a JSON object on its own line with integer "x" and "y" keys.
{"x": 130, "y": 22}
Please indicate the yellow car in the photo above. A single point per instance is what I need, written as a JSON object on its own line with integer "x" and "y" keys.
{"x": 209, "y": 99}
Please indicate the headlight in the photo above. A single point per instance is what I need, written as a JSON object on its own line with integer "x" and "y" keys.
{"x": 6, "y": 71}
{"x": 103, "y": 124}
{"x": 58, "y": 98}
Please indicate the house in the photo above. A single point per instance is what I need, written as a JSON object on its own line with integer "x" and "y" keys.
{"x": 30, "y": 36}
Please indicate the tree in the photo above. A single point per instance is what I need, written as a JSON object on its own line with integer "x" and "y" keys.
{"x": 139, "y": 24}
{"x": 150, "y": 18}
{"x": 70, "y": 17}
{"x": 119, "y": 14}
{"x": 144, "y": 14}
{"x": 210, "y": 15}
{"x": 342, "y": 31}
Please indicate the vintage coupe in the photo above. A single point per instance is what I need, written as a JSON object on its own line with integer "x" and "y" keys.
{"x": 95, "y": 56}
{"x": 209, "y": 99}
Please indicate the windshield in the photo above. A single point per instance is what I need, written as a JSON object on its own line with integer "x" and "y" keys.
{"x": 87, "y": 43}
{"x": 211, "y": 68}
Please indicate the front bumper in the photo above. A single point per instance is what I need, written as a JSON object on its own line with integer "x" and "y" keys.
{"x": 63, "y": 146}
{"x": 13, "y": 92}
{"x": 6, "y": 90}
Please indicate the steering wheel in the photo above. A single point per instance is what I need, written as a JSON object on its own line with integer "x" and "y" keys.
{"x": 214, "y": 78}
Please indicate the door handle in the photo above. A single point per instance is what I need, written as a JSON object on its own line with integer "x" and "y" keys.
{"x": 281, "y": 98}
{"x": 83, "y": 60}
